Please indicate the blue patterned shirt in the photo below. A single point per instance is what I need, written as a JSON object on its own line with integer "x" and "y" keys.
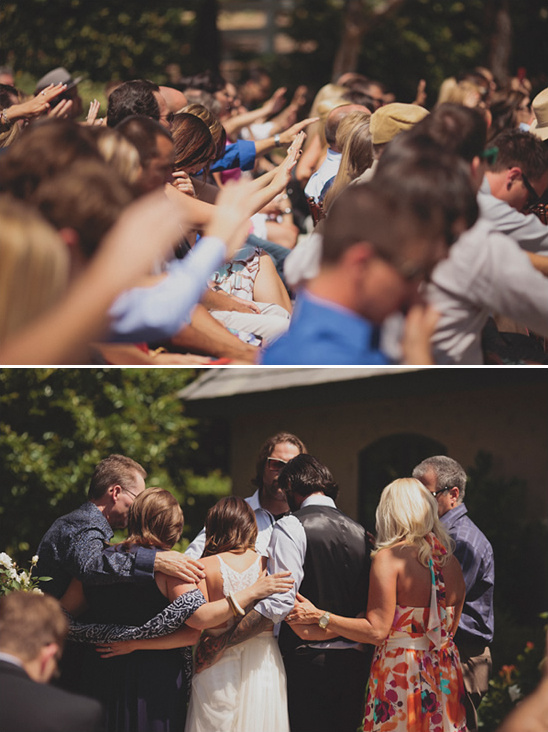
{"x": 475, "y": 555}
{"x": 74, "y": 546}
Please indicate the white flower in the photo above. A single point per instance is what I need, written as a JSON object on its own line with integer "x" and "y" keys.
{"x": 34, "y": 560}
{"x": 24, "y": 577}
{"x": 5, "y": 560}
{"x": 37, "y": 590}
{"x": 12, "y": 573}
{"x": 514, "y": 692}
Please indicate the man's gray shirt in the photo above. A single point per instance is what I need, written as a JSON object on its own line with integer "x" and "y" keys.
{"x": 485, "y": 273}
{"x": 527, "y": 230}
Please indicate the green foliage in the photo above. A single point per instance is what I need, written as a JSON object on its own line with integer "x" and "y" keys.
{"x": 424, "y": 39}
{"x": 512, "y": 683}
{"x": 57, "y": 424}
{"x": 106, "y": 40}
{"x": 519, "y": 541}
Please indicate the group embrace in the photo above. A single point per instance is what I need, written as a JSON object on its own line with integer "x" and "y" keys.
{"x": 300, "y": 619}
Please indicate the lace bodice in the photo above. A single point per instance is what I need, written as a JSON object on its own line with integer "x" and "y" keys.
{"x": 234, "y": 581}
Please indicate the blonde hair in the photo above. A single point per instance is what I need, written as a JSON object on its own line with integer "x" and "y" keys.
{"x": 326, "y": 99}
{"x": 357, "y": 152}
{"x": 34, "y": 265}
{"x": 118, "y": 152}
{"x": 408, "y": 512}
{"x": 459, "y": 92}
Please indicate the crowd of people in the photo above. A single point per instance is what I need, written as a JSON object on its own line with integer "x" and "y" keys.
{"x": 301, "y": 619}
{"x": 211, "y": 223}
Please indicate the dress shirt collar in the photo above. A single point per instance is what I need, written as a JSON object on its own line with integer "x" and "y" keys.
{"x": 8, "y": 658}
{"x": 318, "y": 499}
{"x": 450, "y": 518}
{"x": 254, "y": 501}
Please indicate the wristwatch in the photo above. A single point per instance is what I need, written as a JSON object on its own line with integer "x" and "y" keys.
{"x": 324, "y": 620}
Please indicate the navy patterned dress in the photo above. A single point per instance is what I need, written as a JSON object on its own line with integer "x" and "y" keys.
{"x": 144, "y": 691}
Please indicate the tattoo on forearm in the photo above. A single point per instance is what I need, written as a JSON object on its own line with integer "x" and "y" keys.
{"x": 249, "y": 626}
{"x": 211, "y": 648}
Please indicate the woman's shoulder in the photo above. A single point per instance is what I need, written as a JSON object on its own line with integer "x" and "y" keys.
{"x": 399, "y": 551}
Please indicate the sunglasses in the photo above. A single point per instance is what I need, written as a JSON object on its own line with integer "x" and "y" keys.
{"x": 534, "y": 197}
{"x": 275, "y": 463}
{"x": 441, "y": 490}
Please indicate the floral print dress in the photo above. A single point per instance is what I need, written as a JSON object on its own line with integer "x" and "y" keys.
{"x": 416, "y": 678}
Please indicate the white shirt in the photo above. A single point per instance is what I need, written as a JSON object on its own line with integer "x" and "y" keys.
{"x": 265, "y": 522}
{"x": 316, "y": 186}
{"x": 286, "y": 552}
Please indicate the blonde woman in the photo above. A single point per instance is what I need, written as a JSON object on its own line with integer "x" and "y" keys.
{"x": 416, "y": 593}
{"x": 34, "y": 266}
{"x": 354, "y": 139}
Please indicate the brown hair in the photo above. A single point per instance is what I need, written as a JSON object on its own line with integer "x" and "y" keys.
{"x": 88, "y": 197}
{"x": 230, "y": 525}
{"x": 193, "y": 141}
{"x": 44, "y": 149}
{"x": 155, "y": 519}
{"x": 29, "y": 621}
{"x": 268, "y": 448}
{"x": 113, "y": 469}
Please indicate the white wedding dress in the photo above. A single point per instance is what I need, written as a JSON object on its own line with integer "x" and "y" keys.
{"x": 245, "y": 691}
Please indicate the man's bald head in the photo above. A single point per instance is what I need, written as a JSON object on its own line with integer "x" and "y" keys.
{"x": 335, "y": 117}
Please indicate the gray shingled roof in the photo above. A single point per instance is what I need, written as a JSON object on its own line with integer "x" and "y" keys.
{"x": 228, "y": 382}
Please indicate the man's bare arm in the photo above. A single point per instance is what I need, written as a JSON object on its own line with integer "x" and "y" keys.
{"x": 211, "y": 648}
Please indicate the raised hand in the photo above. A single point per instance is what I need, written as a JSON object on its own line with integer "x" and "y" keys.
{"x": 36, "y": 106}
{"x": 288, "y": 136}
{"x": 94, "y": 107}
{"x": 275, "y": 103}
{"x": 230, "y": 221}
{"x": 61, "y": 110}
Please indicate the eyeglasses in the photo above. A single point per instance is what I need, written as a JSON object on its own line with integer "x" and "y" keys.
{"x": 489, "y": 155}
{"x": 131, "y": 493}
{"x": 534, "y": 197}
{"x": 408, "y": 269}
{"x": 275, "y": 463}
{"x": 441, "y": 490}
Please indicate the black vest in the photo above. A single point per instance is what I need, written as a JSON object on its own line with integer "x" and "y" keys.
{"x": 336, "y": 566}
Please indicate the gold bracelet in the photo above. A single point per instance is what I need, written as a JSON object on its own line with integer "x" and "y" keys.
{"x": 237, "y": 609}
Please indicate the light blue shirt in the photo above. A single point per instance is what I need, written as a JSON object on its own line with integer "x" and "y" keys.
{"x": 324, "y": 333}
{"x": 154, "y": 313}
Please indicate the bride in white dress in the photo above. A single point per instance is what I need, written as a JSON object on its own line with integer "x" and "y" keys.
{"x": 245, "y": 690}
